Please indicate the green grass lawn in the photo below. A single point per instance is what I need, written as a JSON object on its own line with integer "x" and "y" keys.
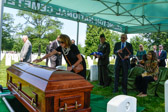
{"x": 151, "y": 104}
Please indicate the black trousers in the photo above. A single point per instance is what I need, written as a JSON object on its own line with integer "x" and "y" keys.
{"x": 47, "y": 61}
{"x": 103, "y": 75}
{"x": 141, "y": 83}
{"x": 121, "y": 65}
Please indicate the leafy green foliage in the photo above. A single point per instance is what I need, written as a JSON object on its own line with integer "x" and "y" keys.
{"x": 81, "y": 49}
{"x": 18, "y": 43}
{"x": 93, "y": 38}
{"x": 42, "y": 42}
{"x": 157, "y": 39}
{"x": 7, "y": 29}
{"x": 7, "y": 43}
{"x": 40, "y": 26}
{"x": 53, "y": 35}
{"x": 136, "y": 41}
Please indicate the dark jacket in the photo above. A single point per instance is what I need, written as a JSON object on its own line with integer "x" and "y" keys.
{"x": 105, "y": 49}
{"x": 125, "y": 53}
{"x": 162, "y": 58}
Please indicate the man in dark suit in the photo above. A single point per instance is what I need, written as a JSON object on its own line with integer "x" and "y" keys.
{"x": 47, "y": 52}
{"x": 155, "y": 50}
{"x": 56, "y": 59}
{"x": 103, "y": 61}
{"x": 162, "y": 56}
{"x": 124, "y": 51}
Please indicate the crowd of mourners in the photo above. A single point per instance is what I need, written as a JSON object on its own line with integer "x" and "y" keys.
{"x": 64, "y": 46}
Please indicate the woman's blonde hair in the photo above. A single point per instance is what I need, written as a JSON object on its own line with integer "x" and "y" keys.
{"x": 142, "y": 46}
{"x": 65, "y": 38}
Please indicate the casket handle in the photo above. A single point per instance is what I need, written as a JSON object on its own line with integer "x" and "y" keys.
{"x": 76, "y": 104}
{"x": 33, "y": 101}
{"x": 35, "y": 98}
{"x": 71, "y": 107}
{"x": 20, "y": 86}
{"x": 66, "y": 107}
{"x": 10, "y": 79}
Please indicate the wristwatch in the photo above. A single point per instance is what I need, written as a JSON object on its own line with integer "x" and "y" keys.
{"x": 73, "y": 66}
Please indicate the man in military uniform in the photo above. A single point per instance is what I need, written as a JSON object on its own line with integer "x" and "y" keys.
{"x": 103, "y": 61}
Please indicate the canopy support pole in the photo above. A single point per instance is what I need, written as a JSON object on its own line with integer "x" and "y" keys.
{"x": 152, "y": 24}
{"x": 1, "y": 18}
{"x": 77, "y": 33}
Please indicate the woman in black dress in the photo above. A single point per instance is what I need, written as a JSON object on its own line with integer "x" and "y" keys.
{"x": 70, "y": 52}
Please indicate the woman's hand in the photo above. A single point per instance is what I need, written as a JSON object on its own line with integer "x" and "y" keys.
{"x": 69, "y": 68}
{"x": 37, "y": 60}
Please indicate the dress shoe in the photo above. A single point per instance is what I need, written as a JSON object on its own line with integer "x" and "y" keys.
{"x": 100, "y": 84}
{"x": 115, "y": 91}
{"x": 142, "y": 95}
{"x": 124, "y": 92}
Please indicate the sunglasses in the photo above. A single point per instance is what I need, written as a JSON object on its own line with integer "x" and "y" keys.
{"x": 60, "y": 42}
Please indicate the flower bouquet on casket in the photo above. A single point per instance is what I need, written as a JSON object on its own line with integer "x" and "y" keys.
{"x": 97, "y": 53}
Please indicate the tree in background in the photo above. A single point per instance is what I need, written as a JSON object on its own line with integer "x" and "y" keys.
{"x": 42, "y": 42}
{"x": 7, "y": 30}
{"x": 81, "y": 49}
{"x": 136, "y": 41}
{"x": 93, "y": 39}
{"x": 18, "y": 43}
{"x": 53, "y": 35}
{"x": 39, "y": 26}
{"x": 157, "y": 39}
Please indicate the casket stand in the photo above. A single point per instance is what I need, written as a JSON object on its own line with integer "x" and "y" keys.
{"x": 43, "y": 89}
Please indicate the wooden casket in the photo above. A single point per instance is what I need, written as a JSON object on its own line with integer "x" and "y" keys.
{"x": 44, "y": 89}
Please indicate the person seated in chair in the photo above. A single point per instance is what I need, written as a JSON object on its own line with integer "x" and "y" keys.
{"x": 142, "y": 62}
{"x": 150, "y": 74}
{"x": 133, "y": 62}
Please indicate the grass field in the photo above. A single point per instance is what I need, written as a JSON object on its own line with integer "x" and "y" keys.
{"x": 151, "y": 104}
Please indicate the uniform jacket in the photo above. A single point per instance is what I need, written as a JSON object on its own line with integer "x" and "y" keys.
{"x": 105, "y": 49}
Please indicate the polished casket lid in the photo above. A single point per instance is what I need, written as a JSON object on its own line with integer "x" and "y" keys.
{"x": 49, "y": 80}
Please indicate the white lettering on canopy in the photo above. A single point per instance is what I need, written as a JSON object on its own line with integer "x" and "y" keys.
{"x": 49, "y": 9}
{"x": 97, "y": 21}
{"x": 11, "y": 2}
{"x": 43, "y": 8}
{"x": 20, "y": 3}
{"x": 61, "y": 12}
{"x": 27, "y": 4}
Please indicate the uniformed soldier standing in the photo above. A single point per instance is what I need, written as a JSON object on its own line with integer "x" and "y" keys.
{"x": 103, "y": 61}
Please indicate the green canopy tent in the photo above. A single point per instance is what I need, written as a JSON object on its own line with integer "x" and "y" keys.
{"x": 126, "y": 16}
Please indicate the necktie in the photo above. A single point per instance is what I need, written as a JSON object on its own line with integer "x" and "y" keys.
{"x": 122, "y": 45}
{"x": 159, "y": 53}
